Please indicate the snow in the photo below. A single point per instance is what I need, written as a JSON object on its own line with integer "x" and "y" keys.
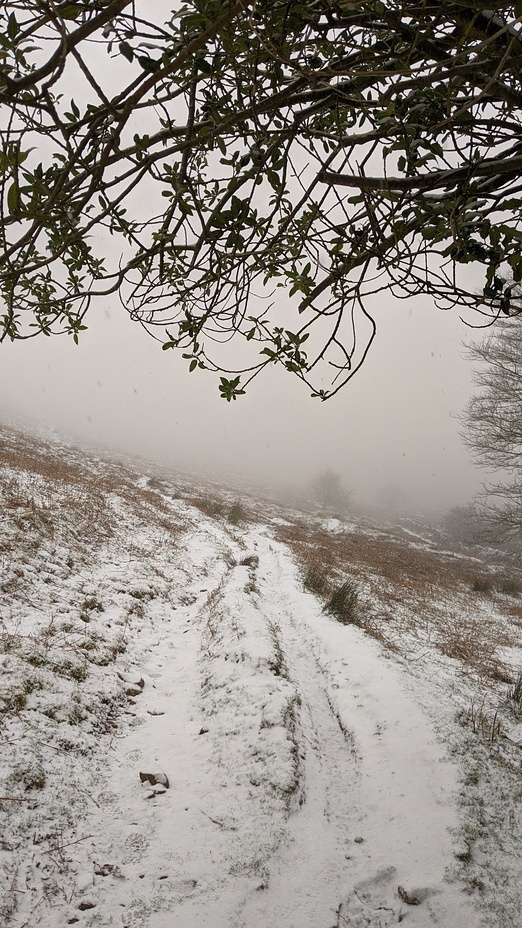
{"x": 189, "y": 740}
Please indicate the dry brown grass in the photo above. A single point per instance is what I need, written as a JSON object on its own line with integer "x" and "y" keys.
{"x": 233, "y": 511}
{"x": 419, "y": 593}
{"x": 45, "y": 488}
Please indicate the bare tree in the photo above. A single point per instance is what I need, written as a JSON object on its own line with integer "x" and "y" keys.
{"x": 493, "y": 424}
{"x": 257, "y": 170}
{"x": 466, "y": 525}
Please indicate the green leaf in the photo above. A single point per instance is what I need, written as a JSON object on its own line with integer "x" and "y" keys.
{"x": 126, "y": 51}
{"x": 148, "y": 64}
{"x": 70, "y": 11}
{"x": 229, "y": 389}
{"x": 204, "y": 66}
{"x": 13, "y": 199}
{"x": 12, "y": 27}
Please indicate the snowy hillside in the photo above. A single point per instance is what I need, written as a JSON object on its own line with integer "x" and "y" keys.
{"x": 188, "y": 738}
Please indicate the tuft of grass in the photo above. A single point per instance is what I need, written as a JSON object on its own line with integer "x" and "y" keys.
{"x": 344, "y": 604}
{"x": 315, "y": 578}
{"x": 209, "y": 507}
{"x": 92, "y": 604}
{"x": 143, "y": 595}
{"x": 509, "y": 587}
{"x": 515, "y": 692}
{"x": 485, "y": 724}
{"x": 277, "y": 663}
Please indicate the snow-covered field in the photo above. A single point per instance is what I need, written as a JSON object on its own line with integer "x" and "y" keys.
{"x": 189, "y": 739}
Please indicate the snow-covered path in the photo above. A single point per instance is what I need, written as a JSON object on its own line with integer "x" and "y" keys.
{"x": 306, "y": 785}
{"x": 396, "y": 791}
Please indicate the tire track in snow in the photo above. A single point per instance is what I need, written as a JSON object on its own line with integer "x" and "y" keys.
{"x": 308, "y": 875}
{"x": 156, "y": 845}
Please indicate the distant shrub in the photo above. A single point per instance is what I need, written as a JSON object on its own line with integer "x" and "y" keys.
{"x": 463, "y": 525}
{"x": 482, "y": 585}
{"x": 344, "y": 604}
{"x": 236, "y": 513}
{"x": 328, "y": 490}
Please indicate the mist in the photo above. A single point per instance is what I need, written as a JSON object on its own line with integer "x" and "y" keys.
{"x": 393, "y": 425}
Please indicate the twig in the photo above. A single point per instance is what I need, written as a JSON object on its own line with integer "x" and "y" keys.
{"x": 60, "y": 847}
{"x": 216, "y": 822}
{"x": 89, "y": 795}
{"x": 14, "y": 799}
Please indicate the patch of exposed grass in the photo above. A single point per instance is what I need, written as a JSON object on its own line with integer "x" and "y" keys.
{"x": 316, "y": 577}
{"x": 344, "y": 604}
{"x": 209, "y": 507}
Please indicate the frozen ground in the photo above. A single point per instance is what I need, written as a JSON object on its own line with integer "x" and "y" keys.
{"x": 296, "y": 772}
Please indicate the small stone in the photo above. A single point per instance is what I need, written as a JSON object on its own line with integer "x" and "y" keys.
{"x": 203, "y": 731}
{"x": 134, "y": 683}
{"x": 358, "y": 839}
{"x": 407, "y": 897}
{"x": 106, "y": 869}
{"x": 86, "y": 904}
{"x": 463, "y": 852}
{"x": 154, "y": 778}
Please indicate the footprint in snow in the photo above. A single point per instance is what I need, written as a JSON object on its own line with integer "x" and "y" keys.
{"x": 371, "y": 904}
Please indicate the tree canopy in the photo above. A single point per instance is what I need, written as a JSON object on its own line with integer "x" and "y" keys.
{"x": 258, "y": 171}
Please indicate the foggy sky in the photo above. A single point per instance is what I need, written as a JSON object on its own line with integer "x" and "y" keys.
{"x": 393, "y": 424}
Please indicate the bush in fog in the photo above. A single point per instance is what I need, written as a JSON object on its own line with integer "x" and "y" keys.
{"x": 391, "y": 497}
{"x": 477, "y": 524}
{"x": 464, "y": 525}
{"x": 328, "y": 490}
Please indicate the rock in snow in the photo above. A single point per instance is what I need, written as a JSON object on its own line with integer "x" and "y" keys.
{"x": 155, "y": 778}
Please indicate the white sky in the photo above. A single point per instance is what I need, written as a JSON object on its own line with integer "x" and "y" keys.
{"x": 394, "y": 424}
